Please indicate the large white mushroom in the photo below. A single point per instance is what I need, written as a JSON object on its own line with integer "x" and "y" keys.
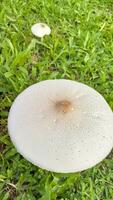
{"x": 40, "y": 29}
{"x": 61, "y": 125}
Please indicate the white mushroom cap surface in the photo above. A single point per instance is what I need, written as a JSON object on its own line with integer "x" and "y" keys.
{"x": 40, "y": 29}
{"x": 61, "y": 125}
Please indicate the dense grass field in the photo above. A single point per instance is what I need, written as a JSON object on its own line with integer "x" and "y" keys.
{"x": 80, "y": 48}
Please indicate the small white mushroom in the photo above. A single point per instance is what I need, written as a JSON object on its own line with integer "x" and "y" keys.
{"x": 40, "y": 29}
{"x": 61, "y": 125}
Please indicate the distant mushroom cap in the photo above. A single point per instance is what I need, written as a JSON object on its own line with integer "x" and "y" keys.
{"x": 61, "y": 125}
{"x": 40, "y": 29}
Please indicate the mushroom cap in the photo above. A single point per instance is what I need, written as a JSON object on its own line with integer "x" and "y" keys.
{"x": 61, "y": 125}
{"x": 40, "y": 29}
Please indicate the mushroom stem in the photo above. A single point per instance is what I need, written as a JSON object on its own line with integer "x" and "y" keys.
{"x": 64, "y": 106}
{"x": 42, "y": 39}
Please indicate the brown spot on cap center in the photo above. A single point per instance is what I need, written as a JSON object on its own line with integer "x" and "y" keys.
{"x": 64, "y": 106}
{"x": 42, "y": 25}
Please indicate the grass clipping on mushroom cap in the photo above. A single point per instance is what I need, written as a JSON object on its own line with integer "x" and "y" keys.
{"x": 61, "y": 125}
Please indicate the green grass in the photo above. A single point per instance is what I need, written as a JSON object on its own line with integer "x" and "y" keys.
{"x": 80, "y": 48}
